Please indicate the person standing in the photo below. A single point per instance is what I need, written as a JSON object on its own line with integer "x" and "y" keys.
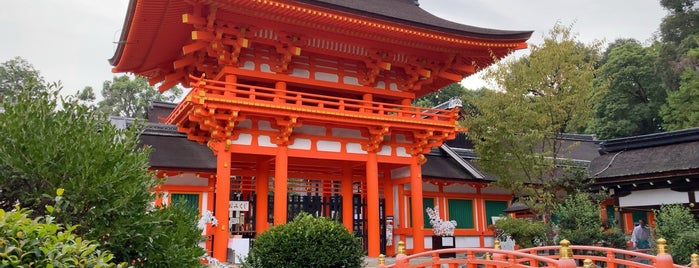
{"x": 641, "y": 235}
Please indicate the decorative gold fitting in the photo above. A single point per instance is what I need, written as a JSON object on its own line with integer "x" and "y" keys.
{"x": 382, "y": 259}
{"x": 588, "y": 263}
{"x": 662, "y": 246}
{"x": 487, "y": 256}
{"x": 566, "y": 252}
{"x": 401, "y": 247}
{"x": 497, "y": 244}
{"x": 695, "y": 259}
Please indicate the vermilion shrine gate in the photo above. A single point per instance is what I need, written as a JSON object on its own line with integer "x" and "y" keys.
{"x": 311, "y": 97}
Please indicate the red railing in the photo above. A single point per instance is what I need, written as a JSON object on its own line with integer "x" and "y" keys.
{"x": 549, "y": 256}
{"x": 242, "y": 94}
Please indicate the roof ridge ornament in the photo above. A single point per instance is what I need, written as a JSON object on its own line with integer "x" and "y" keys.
{"x": 417, "y": 2}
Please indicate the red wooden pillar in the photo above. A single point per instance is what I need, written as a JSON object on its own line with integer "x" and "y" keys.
{"x": 347, "y": 193}
{"x": 280, "y": 184}
{"x": 372, "y": 179}
{"x": 417, "y": 209}
{"x": 223, "y": 192}
{"x": 261, "y": 193}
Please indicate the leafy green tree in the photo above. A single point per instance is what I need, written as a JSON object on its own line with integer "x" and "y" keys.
{"x": 579, "y": 220}
{"x": 515, "y": 129}
{"x": 634, "y": 92}
{"x": 46, "y": 144}
{"x": 682, "y": 107}
{"x": 86, "y": 96}
{"x": 129, "y": 97}
{"x": 441, "y": 96}
{"x": 677, "y": 30}
{"x": 677, "y": 225}
{"x": 18, "y": 74}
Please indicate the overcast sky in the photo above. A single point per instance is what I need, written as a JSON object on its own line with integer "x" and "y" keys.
{"x": 71, "y": 40}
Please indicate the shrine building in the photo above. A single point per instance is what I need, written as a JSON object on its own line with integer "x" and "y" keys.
{"x": 306, "y": 100}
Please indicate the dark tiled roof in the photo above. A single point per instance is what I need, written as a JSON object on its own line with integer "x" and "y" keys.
{"x": 159, "y": 110}
{"x": 407, "y": 11}
{"x": 450, "y": 163}
{"x": 175, "y": 151}
{"x": 648, "y": 161}
{"x": 659, "y": 155}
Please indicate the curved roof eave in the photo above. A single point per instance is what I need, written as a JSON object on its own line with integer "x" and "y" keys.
{"x": 407, "y": 11}
{"x": 114, "y": 61}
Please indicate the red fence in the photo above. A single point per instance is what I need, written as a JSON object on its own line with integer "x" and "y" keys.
{"x": 563, "y": 255}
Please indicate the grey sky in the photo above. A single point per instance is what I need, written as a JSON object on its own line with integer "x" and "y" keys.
{"x": 71, "y": 40}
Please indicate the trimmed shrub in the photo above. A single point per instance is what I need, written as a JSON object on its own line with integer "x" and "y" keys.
{"x": 525, "y": 232}
{"x": 40, "y": 242}
{"x": 306, "y": 241}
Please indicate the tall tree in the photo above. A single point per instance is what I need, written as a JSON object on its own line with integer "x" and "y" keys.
{"x": 46, "y": 144}
{"x": 677, "y": 30}
{"x": 18, "y": 74}
{"x": 634, "y": 91}
{"x": 441, "y": 96}
{"x": 682, "y": 107}
{"x": 129, "y": 97}
{"x": 541, "y": 96}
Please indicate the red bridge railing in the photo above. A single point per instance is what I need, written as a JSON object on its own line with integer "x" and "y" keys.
{"x": 549, "y": 256}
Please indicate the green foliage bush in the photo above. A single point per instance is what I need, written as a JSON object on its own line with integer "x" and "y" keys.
{"x": 524, "y": 231}
{"x": 614, "y": 238}
{"x": 579, "y": 220}
{"x": 47, "y": 144}
{"x": 306, "y": 242}
{"x": 40, "y": 242}
{"x": 677, "y": 225}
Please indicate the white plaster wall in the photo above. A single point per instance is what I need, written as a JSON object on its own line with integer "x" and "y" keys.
{"x": 248, "y": 65}
{"x": 303, "y": 73}
{"x": 488, "y": 241}
{"x": 385, "y": 150}
{"x": 264, "y": 141}
{"x": 355, "y": 148}
{"x": 204, "y": 202}
{"x": 350, "y": 80}
{"x": 459, "y": 188}
{"x": 186, "y": 179}
{"x": 653, "y": 197}
{"x": 310, "y": 130}
{"x": 301, "y": 144}
{"x": 467, "y": 241}
{"x": 346, "y": 133}
{"x": 243, "y": 139}
{"x": 400, "y": 151}
{"x": 326, "y": 77}
{"x": 329, "y": 146}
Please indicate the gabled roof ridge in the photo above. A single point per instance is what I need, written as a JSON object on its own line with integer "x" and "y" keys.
{"x": 649, "y": 140}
